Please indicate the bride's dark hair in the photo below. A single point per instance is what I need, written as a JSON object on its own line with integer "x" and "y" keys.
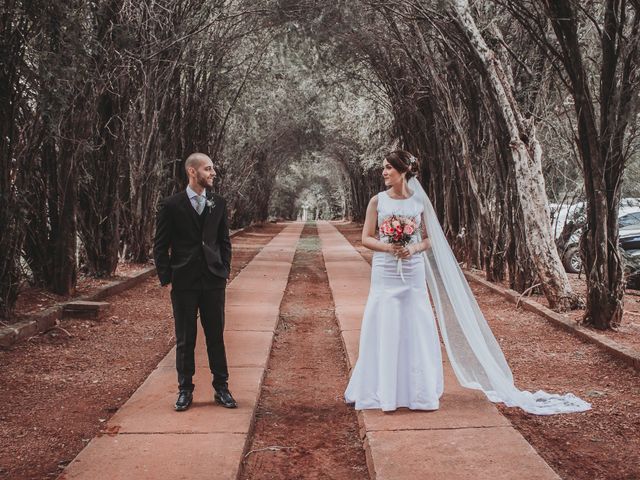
{"x": 403, "y": 162}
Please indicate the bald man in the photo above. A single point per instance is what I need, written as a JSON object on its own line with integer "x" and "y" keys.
{"x": 192, "y": 252}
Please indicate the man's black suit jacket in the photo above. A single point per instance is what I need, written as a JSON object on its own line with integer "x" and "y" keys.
{"x": 192, "y": 251}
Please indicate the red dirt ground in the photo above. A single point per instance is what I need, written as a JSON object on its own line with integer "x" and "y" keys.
{"x": 303, "y": 428}
{"x": 600, "y": 444}
{"x": 59, "y": 388}
{"x": 628, "y": 333}
{"x": 34, "y": 299}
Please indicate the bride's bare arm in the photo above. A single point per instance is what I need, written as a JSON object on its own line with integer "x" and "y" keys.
{"x": 417, "y": 247}
{"x": 369, "y": 239}
{"x": 422, "y": 245}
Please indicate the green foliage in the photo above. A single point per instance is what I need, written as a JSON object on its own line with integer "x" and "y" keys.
{"x": 296, "y": 101}
{"x": 298, "y": 133}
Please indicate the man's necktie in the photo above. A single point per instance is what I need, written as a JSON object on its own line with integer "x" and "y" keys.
{"x": 199, "y": 204}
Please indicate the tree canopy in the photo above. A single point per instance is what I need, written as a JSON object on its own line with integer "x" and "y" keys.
{"x": 508, "y": 106}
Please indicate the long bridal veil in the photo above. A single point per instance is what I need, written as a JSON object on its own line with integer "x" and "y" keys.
{"x": 473, "y": 351}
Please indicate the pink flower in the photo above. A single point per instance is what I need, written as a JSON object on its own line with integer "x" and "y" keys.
{"x": 398, "y": 229}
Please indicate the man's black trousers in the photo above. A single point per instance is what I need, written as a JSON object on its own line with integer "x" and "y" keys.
{"x": 186, "y": 305}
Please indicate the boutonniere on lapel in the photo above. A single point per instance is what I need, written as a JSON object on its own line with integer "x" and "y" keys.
{"x": 210, "y": 204}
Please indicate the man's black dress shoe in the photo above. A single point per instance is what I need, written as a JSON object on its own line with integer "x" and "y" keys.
{"x": 223, "y": 397}
{"x": 184, "y": 400}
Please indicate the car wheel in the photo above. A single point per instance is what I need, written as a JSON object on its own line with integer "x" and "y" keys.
{"x": 572, "y": 261}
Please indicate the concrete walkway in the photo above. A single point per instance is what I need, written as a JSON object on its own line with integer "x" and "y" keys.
{"x": 147, "y": 439}
{"x": 467, "y": 438}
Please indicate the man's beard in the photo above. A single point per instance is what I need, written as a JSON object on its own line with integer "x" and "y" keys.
{"x": 202, "y": 181}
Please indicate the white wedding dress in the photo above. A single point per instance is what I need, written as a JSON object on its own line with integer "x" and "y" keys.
{"x": 399, "y": 363}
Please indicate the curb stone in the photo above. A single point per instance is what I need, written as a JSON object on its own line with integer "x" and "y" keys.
{"x": 47, "y": 319}
{"x": 626, "y": 354}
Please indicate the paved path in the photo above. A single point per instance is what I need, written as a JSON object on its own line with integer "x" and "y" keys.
{"x": 466, "y": 438}
{"x": 147, "y": 439}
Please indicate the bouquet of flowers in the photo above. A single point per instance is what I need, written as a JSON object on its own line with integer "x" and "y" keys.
{"x": 398, "y": 229}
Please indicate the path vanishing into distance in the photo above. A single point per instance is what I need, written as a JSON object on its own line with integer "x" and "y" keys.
{"x": 292, "y": 329}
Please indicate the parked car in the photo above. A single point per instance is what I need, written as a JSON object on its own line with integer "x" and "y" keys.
{"x": 630, "y": 239}
{"x": 628, "y": 218}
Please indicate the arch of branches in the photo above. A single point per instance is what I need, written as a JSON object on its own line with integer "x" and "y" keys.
{"x": 508, "y": 105}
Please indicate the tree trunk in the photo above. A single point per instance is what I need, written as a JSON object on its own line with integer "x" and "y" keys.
{"x": 526, "y": 155}
{"x": 11, "y": 219}
{"x": 52, "y": 234}
{"x": 99, "y": 209}
{"x": 601, "y": 149}
{"x": 99, "y": 198}
{"x": 64, "y": 181}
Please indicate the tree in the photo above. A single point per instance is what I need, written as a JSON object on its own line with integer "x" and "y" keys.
{"x": 526, "y": 155}
{"x": 14, "y": 30}
{"x": 596, "y": 55}
{"x": 601, "y": 141}
{"x": 100, "y": 170}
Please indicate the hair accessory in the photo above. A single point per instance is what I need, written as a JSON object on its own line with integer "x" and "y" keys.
{"x": 412, "y": 159}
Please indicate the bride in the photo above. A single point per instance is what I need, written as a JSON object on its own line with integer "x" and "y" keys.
{"x": 399, "y": 363}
